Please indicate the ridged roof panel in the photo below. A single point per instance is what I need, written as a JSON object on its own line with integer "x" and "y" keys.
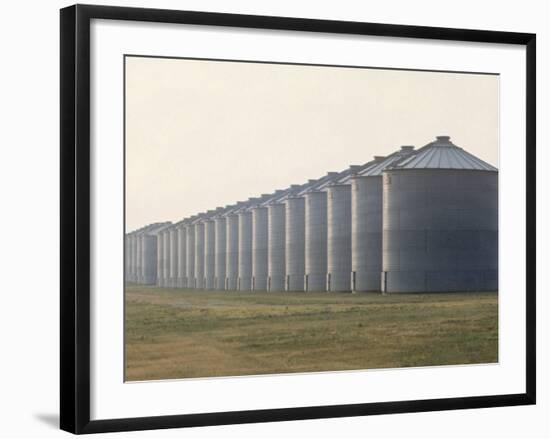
{"x": 442, "y": 154}
{"x": 383, "y": 162}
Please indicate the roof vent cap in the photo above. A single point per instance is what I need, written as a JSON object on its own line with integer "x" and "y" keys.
{"x": 407, "y": 148}
{"x": 443, "y": 138}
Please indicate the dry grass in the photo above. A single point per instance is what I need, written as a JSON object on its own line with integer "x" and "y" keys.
{"x": 173, "y": 333}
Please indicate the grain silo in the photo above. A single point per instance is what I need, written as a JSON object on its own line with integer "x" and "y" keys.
{"x": 339, "y": 233}
{"x": 366, "y": 223}
{"x": 173, "y": 257}
{"x": 295, "y": 243}
{"x": 232, "y": 246}
{"x": 138, "y": 257}
{"x": 199, "y": 253}
{"x": 182, "y": 255}
{"x": 166, "y": 257}
{"x": 127, "y": 264}
{"x": 260, "y": 241}
{"x": 316, "y": 234}
{"x": 220, "y": 252}
{"x": 190, "y": 253}
{"x": 244, "y": 282}
{"x": 276, "y": 268}
{"x": 440, "y": 222}
{"x": 259, "y": 248}
{"x": 148, "y": 252}
{"x": 160, "y": 259}
{"x": 131, "y": 257}
{"x": 209, "y": 252}
{"x": 295, "y": 218}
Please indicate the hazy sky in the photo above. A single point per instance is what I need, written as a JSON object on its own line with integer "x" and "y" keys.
{"x": 203, "y": 134}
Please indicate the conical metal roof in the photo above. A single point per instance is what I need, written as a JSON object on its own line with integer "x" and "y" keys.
{"x": 382, "y": 163}
{"x": 442, "y": 154}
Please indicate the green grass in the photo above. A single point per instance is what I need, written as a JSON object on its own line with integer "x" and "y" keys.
{"x": 175, "y": 333}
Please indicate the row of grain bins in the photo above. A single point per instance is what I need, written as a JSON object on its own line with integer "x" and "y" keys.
{"x": 421, "y": 220}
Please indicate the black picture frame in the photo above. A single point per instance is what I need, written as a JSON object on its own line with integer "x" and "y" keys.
{"x": 75, "y": 217}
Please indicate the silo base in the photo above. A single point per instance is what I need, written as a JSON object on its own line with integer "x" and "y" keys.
{"x": 367, "y": 281}
{"x": 244, "y": 284}
{"x": 339, "y": 282}
{"x": 209, "y": 283}
{"x": 295, "y": 282}
{"x": 276, "y": 283}
{"x": 259, "y": 283}
{"x": 219, "y": 284}
{"x": 231, "y": 283}
{"x": 441, "y": 281}
{"x": 316, "y": 282}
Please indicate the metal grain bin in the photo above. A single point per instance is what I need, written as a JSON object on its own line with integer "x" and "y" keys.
{"x": 139, "y": 258}
{"x": 149, "y": 252}
{"x": 127, "y": 264}
{"x": 160, "y": 259}
{"x": 174, "y": 252}
{"x": 182, "y": 255}
{"x": 131, "y": 257}
{"x": 209, "y": 253}
{"x": 440, "y": 222}
{"x": 190, "y": 254}
{"x": 220, "y": 253}
{"x": 259, "y": 248}
{"x": 339, "y": 234}
{"x": 232, "y": 254}
{"x": 166, "y": 257}
{"x": 276, "y": 264}
{"x": 245, "y": 251}
{"x": 295, "y": 243}
{"x": 316, "y": 234}
{"x": 366, "y": 223}
{"x": 199, "y": 254}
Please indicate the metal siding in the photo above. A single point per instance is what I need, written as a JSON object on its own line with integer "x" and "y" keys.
{"x": 220, "y": 254}
{"x": 295, "y": 244}
{"x": 447, "y": 240}
{"x": 232, "y": 245}
{"x": 316, "y": 241}
{"x": 367, "y": 233}
{"x": 166, "y": 258}
{"x": 190, "y": 255}
{"x": 160, "y": 260}
{"x": 199, "y": 255}
{"x": 245, "y": 251}
{"x": 209, "y": 254}
{"x": 139, "y": 260}
{"x": 259, "y": 248}
{"x": 182, "y": 257}
{"x": 173, "y": 258}
{"x": 149, "y": 260}
{"x": 339, "y": 237}
{"x": 276, "y": 262}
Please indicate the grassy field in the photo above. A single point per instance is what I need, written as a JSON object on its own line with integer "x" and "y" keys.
{"x": 174, "y": 333}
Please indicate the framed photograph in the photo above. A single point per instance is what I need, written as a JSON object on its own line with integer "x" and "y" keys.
{"x": 274, "y": 218}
